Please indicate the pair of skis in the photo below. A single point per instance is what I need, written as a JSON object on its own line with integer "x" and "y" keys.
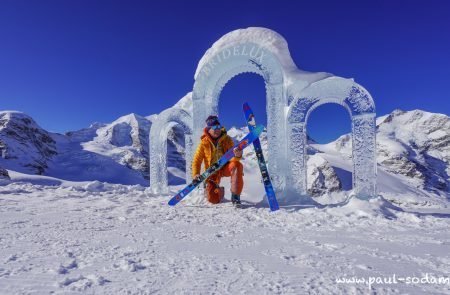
{"x": 252, "y": 137}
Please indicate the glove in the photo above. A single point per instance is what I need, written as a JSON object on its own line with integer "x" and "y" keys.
{"x": 237, "y": 153}
{"x": 196, "y": 178}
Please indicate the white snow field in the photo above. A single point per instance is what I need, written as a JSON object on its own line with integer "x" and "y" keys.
{"x": 98, "y": 238}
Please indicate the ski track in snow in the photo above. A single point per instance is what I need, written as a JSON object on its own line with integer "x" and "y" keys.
{"x": 123, "y": 240}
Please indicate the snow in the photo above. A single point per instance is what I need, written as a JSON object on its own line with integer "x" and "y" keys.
{"x": 395, "y": 187}
{"x": 437, "y": 134}
{"x": 95, "y": 237}
{"x": 405, "y": 126}
{"x": 113, "y": 239}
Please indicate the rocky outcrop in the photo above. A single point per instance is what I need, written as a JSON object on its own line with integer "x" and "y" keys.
{"x": 175, "y": 148}
{"x": 24, "y": 145}
{"x": 322, "y": 178}
{"x": 416, "y": 144}
{"x": 4, "y": 175}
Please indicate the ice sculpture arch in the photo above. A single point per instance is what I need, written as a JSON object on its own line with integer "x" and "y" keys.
{"x": 291, "y": 95}
{"x": 254, "y": 50}
{"x": 361, "y": 108}
{"x": 158, "y": 146}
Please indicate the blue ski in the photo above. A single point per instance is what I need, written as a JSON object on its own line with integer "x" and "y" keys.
{"x": 270, "y": 193}
{"x": 246, "y": 141}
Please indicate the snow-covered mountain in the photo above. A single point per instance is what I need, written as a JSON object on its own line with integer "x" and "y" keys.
{"x": 416, "y": 144}
{"x": 413, "y": 146}
{"x": 24, "y": 145}
{"x": 115, "y": 152}
{"x": 125, "y": 141}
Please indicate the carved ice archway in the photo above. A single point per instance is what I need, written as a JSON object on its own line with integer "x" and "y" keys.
{"x": 361, "y": 108}
{"x": 237, "y": 53}
{"x": 291, "y": 95}
{"x": 158, "y": 146}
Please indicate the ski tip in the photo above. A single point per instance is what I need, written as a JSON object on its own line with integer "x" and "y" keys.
{"x": 246, "y": 106}
{"x": 172, "y": 202}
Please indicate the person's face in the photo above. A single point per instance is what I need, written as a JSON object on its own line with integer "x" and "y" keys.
{"x": 215, "y": 133}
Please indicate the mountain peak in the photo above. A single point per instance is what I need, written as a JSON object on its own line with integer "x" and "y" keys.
{"x": 25, "y": 143}
{"x": 16, "y": 116}
{"x": 397, "y": 112}
{"x": 132, "y": 117}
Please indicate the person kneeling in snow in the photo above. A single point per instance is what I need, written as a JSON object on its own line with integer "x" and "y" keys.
{"x": 213, "y": 145}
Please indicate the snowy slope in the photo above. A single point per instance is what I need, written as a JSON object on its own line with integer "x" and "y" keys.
{"x": 95, "y": 238}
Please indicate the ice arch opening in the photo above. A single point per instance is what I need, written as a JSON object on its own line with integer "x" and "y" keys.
{"x": 344, "y": 115}
{"x": 248, "y": 87}
{"x": 158, "y": 146}
{"x": 318, "y": 125}
{"x": 361, "y": 108}
{"x": 257, "y": 50}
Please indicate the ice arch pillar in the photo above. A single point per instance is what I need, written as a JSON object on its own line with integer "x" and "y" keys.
{"x": 361, "y": 108}
{"x": 259, "y": 51}
{"x": 158, "y": 146}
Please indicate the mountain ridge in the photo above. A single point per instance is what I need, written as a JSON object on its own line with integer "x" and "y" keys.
{"x": 413, "y": 144}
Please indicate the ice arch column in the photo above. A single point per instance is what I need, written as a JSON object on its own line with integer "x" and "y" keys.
{"x": 254, "y": 50}
{"x": 361, "y": 108}
{"x": 158, "y": 146}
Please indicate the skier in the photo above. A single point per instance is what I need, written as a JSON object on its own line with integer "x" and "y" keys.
{"x": 214, "y": 143}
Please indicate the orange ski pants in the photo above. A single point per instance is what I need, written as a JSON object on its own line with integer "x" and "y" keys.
{"x": 233, "y": 169}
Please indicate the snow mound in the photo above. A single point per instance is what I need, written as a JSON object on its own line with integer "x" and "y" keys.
{"x": 361, "y": 209}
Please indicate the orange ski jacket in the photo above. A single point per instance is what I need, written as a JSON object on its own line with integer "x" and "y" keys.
{"x": 209, "y": 153}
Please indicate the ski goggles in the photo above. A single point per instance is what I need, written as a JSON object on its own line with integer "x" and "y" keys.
{"x": 216, "y": 127}
{"x": 212, "y": 120}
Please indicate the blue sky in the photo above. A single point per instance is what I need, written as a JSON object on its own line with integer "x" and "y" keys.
{"x": 71, "y": 63}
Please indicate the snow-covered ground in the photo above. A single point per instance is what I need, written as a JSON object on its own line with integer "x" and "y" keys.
{"x": 64, "y": 233}
{"x": 115, "y": 239}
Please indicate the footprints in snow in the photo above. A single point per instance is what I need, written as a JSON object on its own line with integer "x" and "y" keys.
{"x": 77, "y": 282}
{"x": 81, "y": 283}
{"x": 129, "y": 265}
{"x": 64, "y": 269}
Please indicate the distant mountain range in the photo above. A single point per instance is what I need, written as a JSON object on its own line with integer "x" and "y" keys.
{"x": 413, "y": 145}
{"x": 115, "y": 152}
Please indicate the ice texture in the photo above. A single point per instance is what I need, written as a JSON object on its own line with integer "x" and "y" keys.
{"x": 158, "y": 146}
{"x": 361, "y": 108}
